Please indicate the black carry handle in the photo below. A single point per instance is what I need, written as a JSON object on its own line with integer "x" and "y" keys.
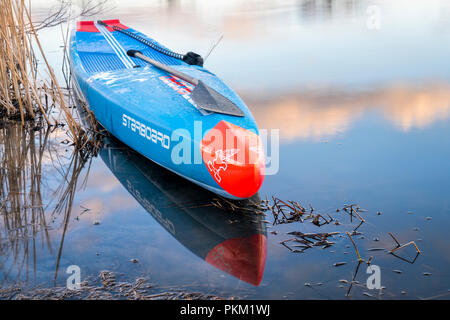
{"x": 100, "y": 22}
{"x": 132, "y": 53}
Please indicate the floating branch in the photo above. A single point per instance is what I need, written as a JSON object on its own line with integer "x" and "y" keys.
{"x": 292, "y": 211}
{"x": 354, "y": 245}
{"x": 401, "y": 246}
{"x": 286, "y": 212}
{"x": 317, "y": 220}
{"x": 309, "y": 240}
{"x": 353, "y": 209}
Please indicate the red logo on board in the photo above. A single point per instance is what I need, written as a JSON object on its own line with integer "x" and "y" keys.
{"x": 235, "y": 159}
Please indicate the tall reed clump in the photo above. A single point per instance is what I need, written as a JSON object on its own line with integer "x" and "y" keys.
{"x": 23, "y": 94}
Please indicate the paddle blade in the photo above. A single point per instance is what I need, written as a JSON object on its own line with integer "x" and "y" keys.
{"x": 210, "y": 100}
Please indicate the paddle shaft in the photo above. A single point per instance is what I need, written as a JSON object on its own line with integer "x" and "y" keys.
{"x": 166, "y": 68}
{"x": 204, "y": 97}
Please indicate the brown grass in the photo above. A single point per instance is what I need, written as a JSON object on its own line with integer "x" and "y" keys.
{"x": 23, "y": 93}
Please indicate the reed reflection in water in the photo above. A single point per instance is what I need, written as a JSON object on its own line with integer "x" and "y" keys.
{"x": 22, "y": 215}
{"x": 38, "y": 182}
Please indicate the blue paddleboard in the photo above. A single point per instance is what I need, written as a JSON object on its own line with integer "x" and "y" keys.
{"x": 152, "y": 111}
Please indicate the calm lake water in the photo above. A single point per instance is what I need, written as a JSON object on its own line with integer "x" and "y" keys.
{"x": 360, "y": 91}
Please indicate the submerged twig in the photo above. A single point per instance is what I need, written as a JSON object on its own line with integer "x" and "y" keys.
{"x": 401, "y": 246}
{"x": 354, "y": 245}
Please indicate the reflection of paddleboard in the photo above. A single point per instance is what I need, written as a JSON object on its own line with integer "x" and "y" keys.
{"x": 232, "y": 241}
{"x": 145, "y": 107}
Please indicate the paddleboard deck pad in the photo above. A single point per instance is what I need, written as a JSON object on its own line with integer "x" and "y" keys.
{"x": 153, "y": 112}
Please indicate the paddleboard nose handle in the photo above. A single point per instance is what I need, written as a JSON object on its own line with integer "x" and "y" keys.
{"x": 132, "y": 53}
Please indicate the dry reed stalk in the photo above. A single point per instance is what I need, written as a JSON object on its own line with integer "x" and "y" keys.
{"x": 401, "y": 246}
{"x": 17, "y": 62}
{"x": 22, "y": 92}
{"x": 356, "y": 248}
{"x": 58, "y": 96}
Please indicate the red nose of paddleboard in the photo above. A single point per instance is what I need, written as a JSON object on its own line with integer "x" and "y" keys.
{"x": 235, "y": 159}
{"x": 244, "y": 258}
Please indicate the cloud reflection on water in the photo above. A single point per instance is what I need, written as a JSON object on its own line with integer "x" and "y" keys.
{"x": 312, "y": 115}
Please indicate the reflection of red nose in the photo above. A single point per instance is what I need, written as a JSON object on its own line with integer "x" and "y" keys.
{"x": 244, "y": 258}
{"x": 235, "y": 159}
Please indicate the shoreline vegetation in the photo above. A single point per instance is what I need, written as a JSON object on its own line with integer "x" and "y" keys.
{"x": 106, "y": 287}
{"x": 24, "y": 94}
{"x": 29, "y": 88}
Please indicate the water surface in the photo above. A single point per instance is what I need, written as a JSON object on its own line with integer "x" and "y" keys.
{"x": 363, "y": 115}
